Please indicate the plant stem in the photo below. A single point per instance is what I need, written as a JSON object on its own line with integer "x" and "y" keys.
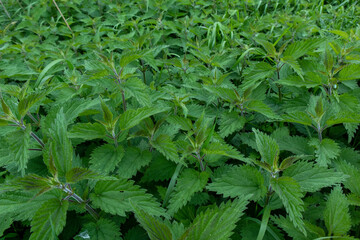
{"x": 320, "y": 136}
{"x": 118, "y": 78}
{"x": 6, "y": 12}
{"x": 114, "y": 137}
{"x": 123, "y": 99}
{"x": 37, "y": 139}
{"x": 279, "y": 92}
{"x": 35, "y": 149}
{"x": 32, "y": 118}
{"x": 319, "y": 131}
{"x": 66, "y": 188}
{"x": 200, "y": 159}
{"x": 62, "y": 16}
{"x": 32, "y": 134}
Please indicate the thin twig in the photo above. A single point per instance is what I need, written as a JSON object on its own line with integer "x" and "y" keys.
{"x": 7, "y": 13}
{"x": 62, "y": 16}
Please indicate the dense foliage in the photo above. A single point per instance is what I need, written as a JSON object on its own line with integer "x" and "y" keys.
{"x": 179, "y": 119}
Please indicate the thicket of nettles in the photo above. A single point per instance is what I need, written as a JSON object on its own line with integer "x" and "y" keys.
{"x": 179, "y": 119}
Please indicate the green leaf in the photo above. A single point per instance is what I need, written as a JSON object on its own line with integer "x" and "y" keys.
{"x": 60, "y": 145}
{"x": 105, "y": 158}
{"x": 287, "y": 162}
{"x": 159, "y": 169}
{"x": 300, "y": 48}
{"x": 127, "y": 58}
{"x": 295, "y": 144}
{"x": 107, "y": 114}
{"x": 229, "y": 123}
{"x": 351, "y": 183}
{"x": 350, "y": 72}
{"x": 294, "y": 64}
{"x": 269, "y": 47}
{"x": 260, "y": 107}
{"x": 134, "y": 159}
{"x": 259, "y": 71}
{"x": 340, "y": 33}
{"x": 41, "y": 78}
{"x": 313, "y": 177}
{"x": 325, "y": 151}
{"x": 227, "y": 94}
{"x": 78, "y": 174}
{"x": 351, "y": 129}
{"x": 267, "y": 146}
{"x": 113, "y": 196}
{"x": 215, "y": 149}
{"x": 298, "y": 117}
{"x": 154, "y": 227}
{"x": 71, "y": 109}
{"x": 5, "y": 223}
{"x": 290, "y": 194}
{"x": 188, "y": 183}
{"x": 102, "y": 229}
{"x": 240, "y": 180}
{"x": 171, "y": 185}
{"x": 289, "y": 228}
{"x": 132, "y": 117}
{"x": 343, "y": 117}
{"x": 167, "y": 147}
{"x": 19, "y": 144}
{"x": 296, "y": 81}
{"x": 5, "y": 108}
{"x": 137, "y": 89}
{"x": 49, "y": 220}
{"x": 336, "y": 214}
{"x": 87, "y": 131}
{"x": 217, "y": 223}
{"x": 264, "y": 223}
{"x": 328, "y": 61}
{"x": 26, "y": 103}
{"x": 184, "y": 123}
{"x": 21, "y": 205}
{"x": 32, "y": 182}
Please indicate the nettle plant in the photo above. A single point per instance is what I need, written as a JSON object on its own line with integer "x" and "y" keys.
{"x": 179, "y": 120}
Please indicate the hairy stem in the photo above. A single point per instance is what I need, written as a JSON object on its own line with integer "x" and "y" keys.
{"x": 320, "y": 135}
{"x": 32, "y": 134}
{"x": 37, "y": 139}
{"x": 200, "y": 159}
{"x": 118, "y": 78}
{"x": 114, "y": 137}
{"x": 66, "y": 188}
{"x": 123, "y": 100}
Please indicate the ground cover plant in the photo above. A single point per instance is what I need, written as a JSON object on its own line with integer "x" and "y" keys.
{"x": 179, "y": 119}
